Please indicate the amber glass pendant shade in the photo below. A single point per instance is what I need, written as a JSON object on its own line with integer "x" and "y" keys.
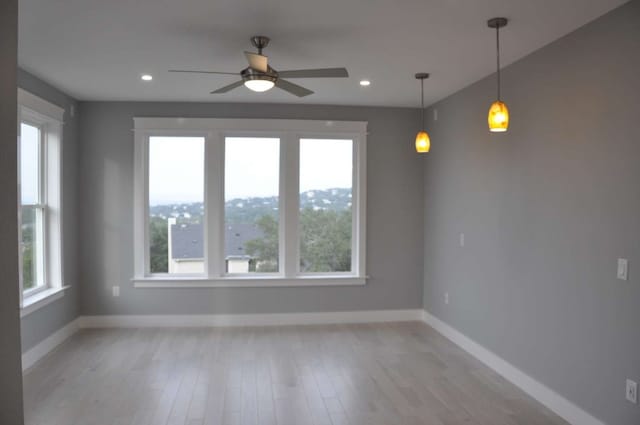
{"x": 498, "y": 117}
{"x": 423, "y": 143}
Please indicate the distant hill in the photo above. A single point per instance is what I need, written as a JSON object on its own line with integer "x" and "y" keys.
{"x": 247, "y": 210}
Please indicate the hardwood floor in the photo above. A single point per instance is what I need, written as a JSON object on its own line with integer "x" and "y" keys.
{"x": 374, "y": 374}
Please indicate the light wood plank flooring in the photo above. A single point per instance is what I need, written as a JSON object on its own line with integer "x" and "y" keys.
{"x": 373, "y": 374}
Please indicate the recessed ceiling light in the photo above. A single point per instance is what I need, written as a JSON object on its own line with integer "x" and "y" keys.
{"x": 365, "y": 83}
{"x": 146, "y": 77}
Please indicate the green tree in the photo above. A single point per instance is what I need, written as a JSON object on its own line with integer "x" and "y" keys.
{"x": 28, "y": 223}
{"x": 265, "y": 249}
{"x": 27, "y": 266}
{"x": 325, "y": 242}
{"x": 159, "y": 248}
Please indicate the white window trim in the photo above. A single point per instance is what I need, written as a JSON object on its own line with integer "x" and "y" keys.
{"x": 41, "y": 299}
{"x": 49, "y": 118}
{"x": 215, "y": 131}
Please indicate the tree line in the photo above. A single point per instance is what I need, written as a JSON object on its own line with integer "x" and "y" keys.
{"x": 325, "y": 242}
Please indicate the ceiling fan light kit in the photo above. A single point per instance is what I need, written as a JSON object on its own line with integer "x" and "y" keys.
{"x": 259, "y": 85}
{"x": 423, "y": 142}
{"x": 259, "y": 81}
{"x": 260, "y": 77}
{"x": 498, "y": 117}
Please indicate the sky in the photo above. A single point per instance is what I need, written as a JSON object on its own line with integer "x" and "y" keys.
{"x": 325, "y": 164}
{"x": 176, "y": 167}
{"x": 29, "y": 153}
{"x": 251, "y": 167}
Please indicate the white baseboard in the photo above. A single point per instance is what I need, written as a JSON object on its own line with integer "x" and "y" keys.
{"x": 545, "y": 395}
{"x": 48, "y": 344}
{"x": 367, "y": 316}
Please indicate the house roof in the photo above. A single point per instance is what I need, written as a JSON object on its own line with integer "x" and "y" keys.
{"x": 187, "y": 240}
{"x": 236, "y": 236}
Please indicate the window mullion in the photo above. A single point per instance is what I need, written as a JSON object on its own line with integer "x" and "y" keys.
{"x": 20, "y": 255}
{"x": 141, "y": 205}
{"x": 289, "y": 204}
{"x": 359, "y": 205}
{"x": 41, "y": 216}
{"x": 41, "y": 244}
{"x": 214, "y": 205}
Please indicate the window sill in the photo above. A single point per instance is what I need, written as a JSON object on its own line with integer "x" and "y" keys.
{"x": 244, "y": 282}
{"x": 41, "y": 299}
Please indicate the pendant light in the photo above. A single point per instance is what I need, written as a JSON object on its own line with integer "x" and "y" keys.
{"x": 498, "y": 112}
{"x": 423, "y": 143}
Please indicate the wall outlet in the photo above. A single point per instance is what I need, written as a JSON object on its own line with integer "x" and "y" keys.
{"x": 435, "y": 115}
{"x": 461, "y": 239}
{"x": 446, "y": 298}
{"x": 623, "y": 268}
{"x": 116, "y": 291}
{"x": 632, "y": 391}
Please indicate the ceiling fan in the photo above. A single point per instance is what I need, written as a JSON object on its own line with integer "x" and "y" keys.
{"x": 260, "y": 77}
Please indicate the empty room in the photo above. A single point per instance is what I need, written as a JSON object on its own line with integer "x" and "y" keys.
{"x": 281, "y": 212}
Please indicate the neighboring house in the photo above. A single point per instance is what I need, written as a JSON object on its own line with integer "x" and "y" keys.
{"x": 186, "y": 247}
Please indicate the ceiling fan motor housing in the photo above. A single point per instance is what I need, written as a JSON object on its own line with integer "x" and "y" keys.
{"x": 252, "y": 74}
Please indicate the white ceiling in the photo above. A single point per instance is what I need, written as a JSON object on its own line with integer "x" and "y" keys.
{"x": 97, "y": 49}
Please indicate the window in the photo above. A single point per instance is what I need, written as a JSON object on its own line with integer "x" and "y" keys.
{"x": 176, "y": 205}
{"x": 39, "y": 159}
{"x": 238, "y": 202}
{"x": 251, "y": 205}
{"x": 32, "y": 210}
{"x": 325, "y": 205}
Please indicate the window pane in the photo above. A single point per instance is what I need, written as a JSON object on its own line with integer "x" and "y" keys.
{"x": 32, "y": 248}
{"x": 326, "y": 169}
{"x": 252, "y": 167}
{"x": 29, "y": 164}
{"x": 176, "y": 204}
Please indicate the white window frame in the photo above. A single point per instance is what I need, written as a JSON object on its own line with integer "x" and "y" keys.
{"x": 48, "y": 118}
{"x": 40, "y": 207}
{"x": 215, "y": 131}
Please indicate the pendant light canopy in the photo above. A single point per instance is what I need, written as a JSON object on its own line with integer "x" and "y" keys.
{"x": 498, "y": 112}
{"x": 423, "y": 143}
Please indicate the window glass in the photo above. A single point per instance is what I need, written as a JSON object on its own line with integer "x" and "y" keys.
{"x": 32, "y": 223}
{"x": 176, "y": 205}
{"x": 29, "y": 164}
{"x": 32, "y": 249}
{"x": 252, "y": 167}
{"x": 325, "y": 220}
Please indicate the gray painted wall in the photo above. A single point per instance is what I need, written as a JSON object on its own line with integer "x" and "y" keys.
{"x": 546, "y": 210}
{"x": 10, "y": 363}
{"x": 394, "y": 222}
{"x": 45, "y": 321}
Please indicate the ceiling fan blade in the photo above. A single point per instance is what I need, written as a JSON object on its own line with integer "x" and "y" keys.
{"x": 257, "y": 62}
{"x": 204, "y": 72}
{"x": 315, "y": 73}
{"x": 293, "y": 88}
{"x": 228, "y": 88}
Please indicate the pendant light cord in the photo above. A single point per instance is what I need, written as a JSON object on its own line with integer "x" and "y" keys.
{"x": 422, "y": 100}
{"x": 498, "y": 57}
